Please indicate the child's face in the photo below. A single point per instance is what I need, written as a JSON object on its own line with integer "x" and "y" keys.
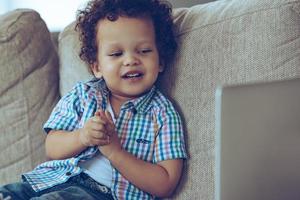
{"x": 127, "y": 56}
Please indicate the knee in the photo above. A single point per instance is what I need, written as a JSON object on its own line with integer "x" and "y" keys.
{"x": 15, "y": 191}
{"x": 5, "y": 194}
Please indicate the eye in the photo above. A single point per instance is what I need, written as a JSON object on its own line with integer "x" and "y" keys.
{"x": 145, "y": 51}
{"x": 116, "y": 54}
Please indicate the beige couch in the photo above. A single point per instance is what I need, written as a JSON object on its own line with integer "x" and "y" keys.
{"x": 220, "y": 43}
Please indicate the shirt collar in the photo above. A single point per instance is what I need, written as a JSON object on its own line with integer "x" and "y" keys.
{"x": 140, "y": 104}
{"x": 143, "y": 103}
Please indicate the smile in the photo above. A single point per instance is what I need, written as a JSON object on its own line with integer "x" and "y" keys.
{"x": 132, "y": 75}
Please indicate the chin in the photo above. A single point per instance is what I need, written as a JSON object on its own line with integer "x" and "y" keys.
{"x": 133, "y": 95}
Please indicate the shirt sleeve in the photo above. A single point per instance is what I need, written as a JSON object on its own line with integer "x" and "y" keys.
{"x": 170, "y": 142}
{"x": 67, "y": 113}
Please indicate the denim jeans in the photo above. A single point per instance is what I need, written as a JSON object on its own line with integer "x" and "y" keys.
{"x": 77, "y": 187}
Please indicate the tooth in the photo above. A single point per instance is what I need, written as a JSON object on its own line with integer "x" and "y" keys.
{"x": 132, "y": 75}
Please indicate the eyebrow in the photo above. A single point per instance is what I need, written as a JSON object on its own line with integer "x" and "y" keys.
{"x": 112, "y": 45}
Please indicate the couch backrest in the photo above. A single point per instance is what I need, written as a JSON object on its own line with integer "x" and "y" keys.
{"x": 220, "y": 43}
{"x": 225, "y": 43}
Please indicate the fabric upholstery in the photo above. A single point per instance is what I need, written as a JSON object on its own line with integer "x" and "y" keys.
{"x": 220, "y": 43}
{"x": 72, "y": 68}
{"x": 28, "y": 90}
{"x": 226, "y": 42}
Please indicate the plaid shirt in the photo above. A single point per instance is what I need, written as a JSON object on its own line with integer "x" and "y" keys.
{"x": 148, "y": 127}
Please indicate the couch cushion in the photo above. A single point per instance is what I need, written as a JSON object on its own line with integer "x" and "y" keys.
{"x": 224, "y": 43}
{"x": 72, "y": 68}
{"x": 221, "y": 43}
{"x": 28, "y": 90}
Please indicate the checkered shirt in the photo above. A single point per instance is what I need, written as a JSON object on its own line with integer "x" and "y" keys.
{"x": 148, "y": 127}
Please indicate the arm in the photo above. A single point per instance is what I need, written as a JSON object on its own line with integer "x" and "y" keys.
{"x": 65, "y": 144}
{"x": 157, "y": 179}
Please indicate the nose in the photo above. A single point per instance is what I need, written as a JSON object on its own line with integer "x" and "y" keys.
{"x": 131, "y": 60}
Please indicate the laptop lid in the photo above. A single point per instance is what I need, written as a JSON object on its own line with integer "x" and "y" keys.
{"x": 258, "y": 141}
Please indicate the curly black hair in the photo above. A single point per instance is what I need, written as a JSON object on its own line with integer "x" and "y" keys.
{"x": 158, "y": 11}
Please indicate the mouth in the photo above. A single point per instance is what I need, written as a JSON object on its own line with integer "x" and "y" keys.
{"x": 132, "y": 75}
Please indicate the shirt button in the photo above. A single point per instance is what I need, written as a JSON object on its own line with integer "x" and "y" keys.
{"x": 134, "y": 111}
{"x": 68, "y": 173}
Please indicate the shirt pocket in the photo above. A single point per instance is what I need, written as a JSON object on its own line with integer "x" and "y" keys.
{"x": 140, "y": 139}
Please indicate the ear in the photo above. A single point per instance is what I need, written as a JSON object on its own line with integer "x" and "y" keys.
{"x": 96, "y": 70}
{"x": 161, "y": 67}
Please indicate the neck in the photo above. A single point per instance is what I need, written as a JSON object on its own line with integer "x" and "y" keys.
{"x": 116, "y": 102}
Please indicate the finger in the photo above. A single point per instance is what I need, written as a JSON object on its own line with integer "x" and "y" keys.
{"x": 98, "y": 127}
{"x": 109, "y": 117}
{"x": 111, "y": 125}
{"x": 98, "y": 119}
{"x": 98, "y": 135}
{"x": 102, "y": 114}
{"x": 97, "y": 113}
{"x": 102, "y": 142}
{"x": 96, "y": 142}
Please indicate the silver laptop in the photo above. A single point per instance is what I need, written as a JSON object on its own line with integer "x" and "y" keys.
{"x": 258, "y": 141}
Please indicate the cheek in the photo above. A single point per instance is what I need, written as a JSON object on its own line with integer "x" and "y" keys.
{"x": 110, "y": 73}
{"x": 108, "y": 67}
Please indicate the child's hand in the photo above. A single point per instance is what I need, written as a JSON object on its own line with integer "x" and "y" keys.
{"x": 94, "y": 132}
{"x": 114, "y": 142}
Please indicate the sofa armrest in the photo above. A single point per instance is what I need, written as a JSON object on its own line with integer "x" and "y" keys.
{"x": 28, "y": 91}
